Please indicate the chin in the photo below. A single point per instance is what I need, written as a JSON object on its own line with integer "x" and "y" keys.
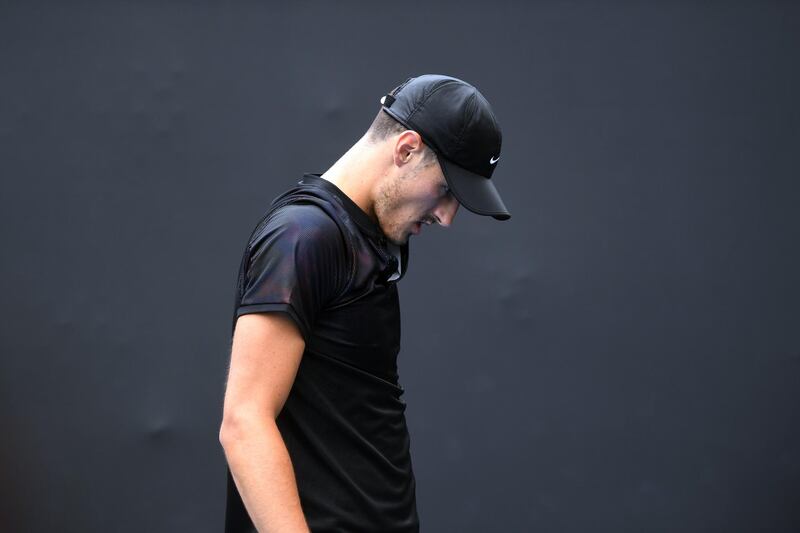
{"x": 399, "y": 242}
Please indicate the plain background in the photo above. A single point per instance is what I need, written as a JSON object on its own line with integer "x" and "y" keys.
{"x": 622, "y": 355}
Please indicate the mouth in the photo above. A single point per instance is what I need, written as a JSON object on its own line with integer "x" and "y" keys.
{"x": 417, "y": 227}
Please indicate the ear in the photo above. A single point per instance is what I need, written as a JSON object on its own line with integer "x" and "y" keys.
{"x": 407, "y": 146}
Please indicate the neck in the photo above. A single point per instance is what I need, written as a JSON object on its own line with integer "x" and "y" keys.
{"x": 355, "y": 174}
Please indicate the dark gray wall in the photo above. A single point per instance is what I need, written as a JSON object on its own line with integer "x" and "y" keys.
{"x": 622, "y": 355}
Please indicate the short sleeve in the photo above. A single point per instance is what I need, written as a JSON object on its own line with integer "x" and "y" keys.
{"x": 296, "y": 265}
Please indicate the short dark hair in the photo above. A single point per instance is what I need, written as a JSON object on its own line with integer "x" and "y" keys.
{"x": 384, "y": 126}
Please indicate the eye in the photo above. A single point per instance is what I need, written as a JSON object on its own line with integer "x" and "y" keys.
{"x": 445, "y": 188}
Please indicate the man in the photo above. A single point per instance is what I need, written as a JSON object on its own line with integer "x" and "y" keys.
{"x": 313, "y": 428}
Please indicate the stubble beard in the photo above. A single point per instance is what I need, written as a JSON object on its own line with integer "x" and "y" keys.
{"x": 385, "y": 207}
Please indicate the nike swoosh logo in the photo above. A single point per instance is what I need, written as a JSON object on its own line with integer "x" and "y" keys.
{"x": 492, "y": 161}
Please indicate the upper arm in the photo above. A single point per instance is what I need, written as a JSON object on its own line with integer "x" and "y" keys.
{"x": 265, "y": 355}
{"x": 295, "y": 266}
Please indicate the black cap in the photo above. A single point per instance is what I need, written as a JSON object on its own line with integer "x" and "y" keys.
{"x": 458, "y": 124}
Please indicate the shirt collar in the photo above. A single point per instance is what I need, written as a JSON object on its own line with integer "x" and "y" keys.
{"x": 364, "y": 221}
{"x": 356, "y": 213}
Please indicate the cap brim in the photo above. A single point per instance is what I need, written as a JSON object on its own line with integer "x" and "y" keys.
{"x": 473, "y": 191}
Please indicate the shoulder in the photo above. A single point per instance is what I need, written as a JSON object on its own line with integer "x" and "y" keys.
{"x": 299, "y": 222}
{"x": 307, "y": 218}
{"x": 304, "y": 232}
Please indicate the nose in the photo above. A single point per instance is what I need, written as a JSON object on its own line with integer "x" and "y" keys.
{"x": 446, "y": 210}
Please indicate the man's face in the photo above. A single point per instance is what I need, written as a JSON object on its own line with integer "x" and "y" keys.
{"x": 412, "y": 198}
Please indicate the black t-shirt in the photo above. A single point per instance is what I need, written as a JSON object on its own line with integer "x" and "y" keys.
{"x": 316, "y": 256}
